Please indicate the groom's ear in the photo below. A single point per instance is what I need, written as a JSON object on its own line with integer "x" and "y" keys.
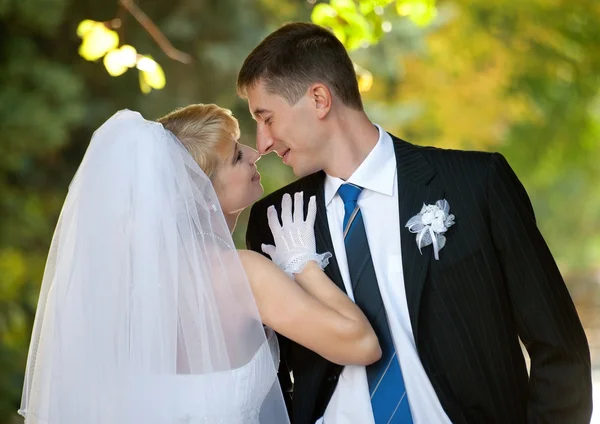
{"x": 322, "y": 99}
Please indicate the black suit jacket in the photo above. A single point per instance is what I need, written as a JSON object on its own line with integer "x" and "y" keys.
{"x": 495, "y": 282}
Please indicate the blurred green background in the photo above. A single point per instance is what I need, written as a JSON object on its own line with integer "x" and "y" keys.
{"x": 516, "y": 76}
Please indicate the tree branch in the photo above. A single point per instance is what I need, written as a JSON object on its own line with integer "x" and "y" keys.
{"x": 155, "y": 33}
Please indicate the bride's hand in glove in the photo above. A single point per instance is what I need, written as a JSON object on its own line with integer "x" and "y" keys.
{"x": 294, "y": 238}
{"x": 310, "y": 310}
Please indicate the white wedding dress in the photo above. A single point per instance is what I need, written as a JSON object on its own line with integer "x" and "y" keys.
{"x": 145, "y": 314}
{"x": 232, "y": 397}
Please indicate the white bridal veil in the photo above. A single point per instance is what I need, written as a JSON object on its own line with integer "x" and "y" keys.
{"x": 145, "y": 314}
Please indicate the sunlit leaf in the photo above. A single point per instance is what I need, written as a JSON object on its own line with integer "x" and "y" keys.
{"x": 114, "y": 63}
{"x": 365, "y": 82}
{"x": 357, "y": 37}
{"x": 339, "y": 32}
{"x": 97, "y": 42}
{"x": 365, "y": 78}
{"x": 382, "y": 3}
{"x": 423, "y": 13}
{"x": 322, "y": 13}
{"x": 143, "y": 84}
{"x": 373, "y": 6}
{"x": 146, "y": 63}
{"x": 403, "y": 8}
{"x": 85, "y": 27}
{"x": 358, "y": 30}
{"x": 327, "y": 16}
{"x": 152, "y": 73}
{"x": 156, "y": 79}
{"x": 362, "y": 23}
{"x": 128, "y": 55}
{"x": 366, "y": 6}
{"x": 355, "y": 42}
{"x": 357, "y": 22}
{"x": 344, "y": 5}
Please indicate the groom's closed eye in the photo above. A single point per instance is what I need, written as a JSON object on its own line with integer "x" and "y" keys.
{"x": 259, "y": 111}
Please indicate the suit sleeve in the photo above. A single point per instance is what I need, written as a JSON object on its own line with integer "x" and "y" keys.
{"x": 258, "y": 232}
{"x": 548, "y": 324}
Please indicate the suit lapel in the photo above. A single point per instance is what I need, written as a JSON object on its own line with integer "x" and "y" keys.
{"x": 417, "y": 184}
{"x": 316, "y": 186}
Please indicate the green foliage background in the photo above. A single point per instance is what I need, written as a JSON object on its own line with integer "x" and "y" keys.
{"x": 520, "y": 77}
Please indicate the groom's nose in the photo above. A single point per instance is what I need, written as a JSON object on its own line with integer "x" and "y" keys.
{"x": 264, "y": 140}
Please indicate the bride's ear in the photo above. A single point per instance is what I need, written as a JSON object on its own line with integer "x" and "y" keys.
{"x": 322, "y": 99}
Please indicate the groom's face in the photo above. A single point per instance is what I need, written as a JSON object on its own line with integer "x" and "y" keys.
{"x": 293, "y": 132}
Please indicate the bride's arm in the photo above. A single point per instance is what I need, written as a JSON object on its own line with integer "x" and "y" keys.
{"x": 312, "y": 311}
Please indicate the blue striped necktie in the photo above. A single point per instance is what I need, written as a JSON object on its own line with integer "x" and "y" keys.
{"x": 386, "y": 384}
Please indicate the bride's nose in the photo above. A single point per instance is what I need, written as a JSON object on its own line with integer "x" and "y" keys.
{"x": 253, "y": 155}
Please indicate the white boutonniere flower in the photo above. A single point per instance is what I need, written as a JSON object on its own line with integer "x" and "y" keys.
{"x": 430, "y": 225}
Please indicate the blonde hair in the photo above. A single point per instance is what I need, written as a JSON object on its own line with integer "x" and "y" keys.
{"x": 206, "y": 131}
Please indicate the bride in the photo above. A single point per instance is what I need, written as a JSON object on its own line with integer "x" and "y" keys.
{"x": 148, "y": 314}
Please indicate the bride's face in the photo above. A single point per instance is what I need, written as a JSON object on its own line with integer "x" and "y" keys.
{"x": 236, "y": 180}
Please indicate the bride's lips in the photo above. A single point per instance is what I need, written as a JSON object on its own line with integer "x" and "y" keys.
{"x": 285, "y": 156}
{"x": 256, "y": 176}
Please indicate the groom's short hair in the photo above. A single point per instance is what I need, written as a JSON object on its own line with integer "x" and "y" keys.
{"x": 297, "y": 55}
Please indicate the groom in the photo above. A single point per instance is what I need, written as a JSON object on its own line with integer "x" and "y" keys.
{"x": 448, "y": 317}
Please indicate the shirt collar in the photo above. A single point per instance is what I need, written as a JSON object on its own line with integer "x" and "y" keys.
{"x": 375, "y": 173}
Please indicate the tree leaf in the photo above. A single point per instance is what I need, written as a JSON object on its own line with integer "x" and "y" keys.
{"x": 322, "y": 13}
{"x": 85, "y": 27}
{"x": 113, "y": 62}
{"x": 143, "y": 84}
{"x": 97, "y": 42}
{"x": 152, "y": 72}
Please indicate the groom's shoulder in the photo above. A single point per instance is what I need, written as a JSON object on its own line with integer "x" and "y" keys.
{"x": 438, "y": 156}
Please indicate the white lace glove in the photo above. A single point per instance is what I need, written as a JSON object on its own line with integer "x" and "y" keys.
{"x": 295, "y": 243}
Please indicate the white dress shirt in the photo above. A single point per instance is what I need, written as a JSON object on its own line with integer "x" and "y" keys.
{"x": 378, "y": 202}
